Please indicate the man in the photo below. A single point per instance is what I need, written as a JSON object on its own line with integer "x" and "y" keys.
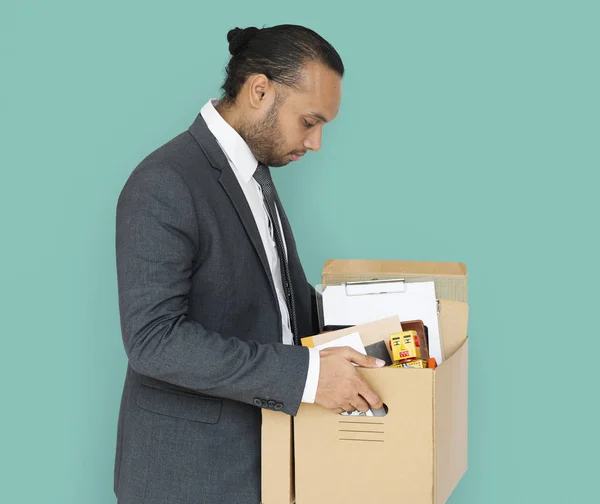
{"x": 212, "y": 295}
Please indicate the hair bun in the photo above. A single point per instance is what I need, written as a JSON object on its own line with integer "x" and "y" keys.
{"x": 238, "y": 38}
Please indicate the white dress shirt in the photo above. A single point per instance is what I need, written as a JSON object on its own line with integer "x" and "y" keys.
{"x": 244, "y": 164}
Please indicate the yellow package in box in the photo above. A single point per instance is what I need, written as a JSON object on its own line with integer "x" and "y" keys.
{"x": 418, "y": 363}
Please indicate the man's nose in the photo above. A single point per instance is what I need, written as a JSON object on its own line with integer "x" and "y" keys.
{"x": 313, "y": 141}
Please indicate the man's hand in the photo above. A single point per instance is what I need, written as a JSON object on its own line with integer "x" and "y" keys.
{"x": 341, "y": 387}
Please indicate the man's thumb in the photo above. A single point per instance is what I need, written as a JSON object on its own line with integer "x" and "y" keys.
{"x": 364, "y": 360}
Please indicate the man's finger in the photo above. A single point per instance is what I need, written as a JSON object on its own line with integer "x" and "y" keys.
{"x": 360, "y": 404}
{"x": 363, "y": 360}
{"x": 369, "y": 395}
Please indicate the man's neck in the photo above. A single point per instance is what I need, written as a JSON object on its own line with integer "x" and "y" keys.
{"x": 229, "y": 114}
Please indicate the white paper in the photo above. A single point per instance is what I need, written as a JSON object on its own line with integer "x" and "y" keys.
{"x": 357, "y": 413}
{"x": 417, "y": 302}
{"x": 352, "y": 340}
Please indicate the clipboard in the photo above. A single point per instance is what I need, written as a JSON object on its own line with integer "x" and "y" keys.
{"x": 355, "y": 303}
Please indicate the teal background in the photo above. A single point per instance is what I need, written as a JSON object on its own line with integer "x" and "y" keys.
{"x": 468, "y": 131}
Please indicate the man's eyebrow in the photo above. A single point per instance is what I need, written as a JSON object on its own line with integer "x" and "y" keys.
{"x": 318, "y": 116}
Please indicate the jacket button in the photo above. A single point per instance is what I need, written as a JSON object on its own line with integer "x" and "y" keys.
{"x": 278, "y": 406}
{"x": 264, "y": 403}
{"x": 271, "y": 404}
{"x": 257, "y": 402}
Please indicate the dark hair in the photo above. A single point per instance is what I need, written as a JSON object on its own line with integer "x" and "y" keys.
{"x": 278, "y": 52}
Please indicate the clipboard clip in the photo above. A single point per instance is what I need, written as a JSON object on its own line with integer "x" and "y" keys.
{"x": 368, "y": 287}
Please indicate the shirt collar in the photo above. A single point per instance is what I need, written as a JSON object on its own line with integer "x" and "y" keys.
{"x": 233, "y": 145}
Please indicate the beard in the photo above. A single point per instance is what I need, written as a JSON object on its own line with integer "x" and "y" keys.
{"x": 265, "y": 139}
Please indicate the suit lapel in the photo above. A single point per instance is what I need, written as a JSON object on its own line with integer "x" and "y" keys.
{"x": 227, "y": 179}
{"x": 238, "y": 199}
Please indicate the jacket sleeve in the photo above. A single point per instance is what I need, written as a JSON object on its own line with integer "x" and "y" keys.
{"x": 157, "y": 239}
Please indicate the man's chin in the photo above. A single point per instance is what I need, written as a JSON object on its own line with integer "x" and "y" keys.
{"x": 279, "y": 163}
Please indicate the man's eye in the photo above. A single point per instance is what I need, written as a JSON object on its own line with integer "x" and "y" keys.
{"x": 307, "y": 124}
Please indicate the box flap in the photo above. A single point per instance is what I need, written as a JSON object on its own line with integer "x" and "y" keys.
{"x": 453, "y": 318}
{"x": 450, "y": 277}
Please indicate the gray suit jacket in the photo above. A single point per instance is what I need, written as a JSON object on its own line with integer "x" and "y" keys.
{"x": 201, "y": 328}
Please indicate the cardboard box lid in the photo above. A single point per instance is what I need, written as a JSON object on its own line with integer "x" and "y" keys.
{"x": 450, "y": 278}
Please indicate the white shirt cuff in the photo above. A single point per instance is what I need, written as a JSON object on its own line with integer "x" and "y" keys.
{"x": 312, "y": 378}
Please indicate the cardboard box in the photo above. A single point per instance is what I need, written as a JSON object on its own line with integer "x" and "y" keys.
{"x": 417, "y": 453}
{"x": 277, "y": 458}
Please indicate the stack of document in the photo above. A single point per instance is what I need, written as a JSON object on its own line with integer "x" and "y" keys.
{"x": 354, "y": 304}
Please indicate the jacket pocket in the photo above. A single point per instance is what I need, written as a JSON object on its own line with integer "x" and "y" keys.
{"x": 203, "y": 409}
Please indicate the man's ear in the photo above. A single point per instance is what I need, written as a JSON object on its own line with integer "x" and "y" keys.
{"x": 260, "y": 90}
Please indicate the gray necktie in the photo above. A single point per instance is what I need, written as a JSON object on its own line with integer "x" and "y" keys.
{"x": 263, "y": 176}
